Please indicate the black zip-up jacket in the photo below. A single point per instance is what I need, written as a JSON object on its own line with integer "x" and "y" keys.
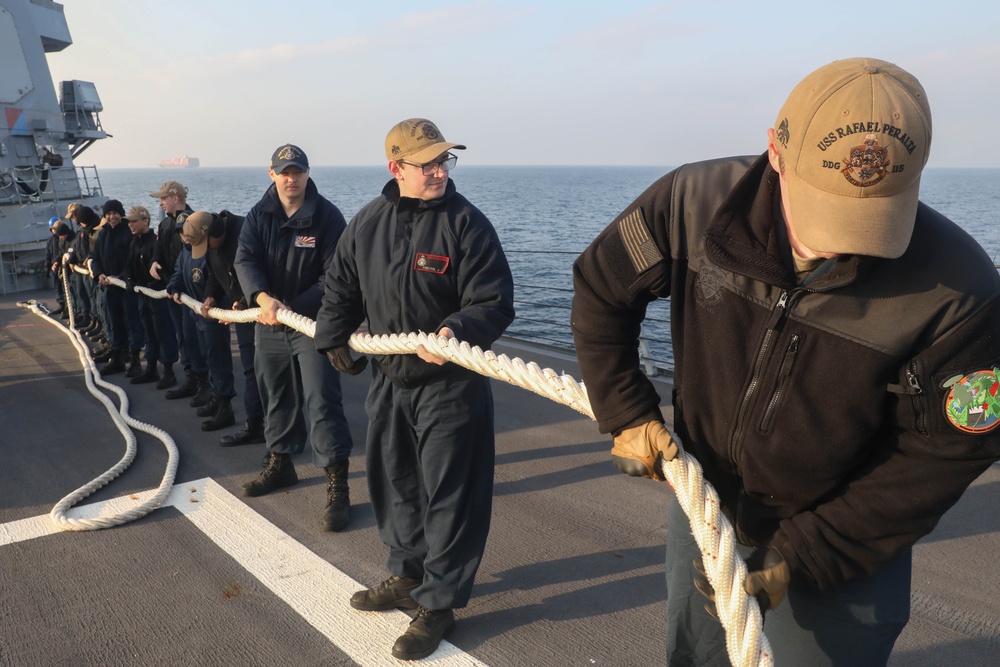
{"x": 838, "y": 418}
{"x": 409, "y": 265}
{"x": 110, "y": 251}
{"x": 223, "y": 285}
{"x": 169, "y": 245}
{"x": 287, "y": 257}
{"x": 140, "y": 257}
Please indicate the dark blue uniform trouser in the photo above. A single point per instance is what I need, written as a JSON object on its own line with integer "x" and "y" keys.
{"x": 215, "y": 339}
{"x": 114, "y": 306}
{"x": 80, "y": 294}
{"x": 163, "y": 328}
{"x": 251, "y": 393}
{"x": 430, "y": 457}
{"x": 854, "y": 625}
{"x": 123, "y": 322}
{"x": 145, "y": 306}
{"x": 177, "y": 316}
{"x": 212, "y": 352}
{"x": 133, "y": 319}
{"x": 294, "y": 378}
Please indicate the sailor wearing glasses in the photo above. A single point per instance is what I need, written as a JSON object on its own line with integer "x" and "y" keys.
{"x": 420, "y": 257}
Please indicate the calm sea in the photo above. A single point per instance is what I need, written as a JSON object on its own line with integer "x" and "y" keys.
{"x": 545, "y": 217}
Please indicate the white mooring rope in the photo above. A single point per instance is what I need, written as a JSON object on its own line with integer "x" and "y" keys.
{"x": 123, "y": 421}
{"x": 726, "y": 571}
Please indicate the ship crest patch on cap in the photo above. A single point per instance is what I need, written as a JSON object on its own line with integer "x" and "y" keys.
{"x": 430, "y": 132}
{"x": 289, "y": 153}
{"x": 867, "y": 163}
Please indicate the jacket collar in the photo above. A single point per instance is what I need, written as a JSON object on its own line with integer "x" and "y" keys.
{"x": 391, "y": 193}
{"x": 302, "y": 217}
{"x": 744, "y": 238}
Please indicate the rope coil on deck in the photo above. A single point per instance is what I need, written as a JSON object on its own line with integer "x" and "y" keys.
{"x": 123, "y": 421}
{"x": 738, "y": 612}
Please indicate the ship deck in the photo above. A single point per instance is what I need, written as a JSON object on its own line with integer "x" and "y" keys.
{"x": 573, "y": 572}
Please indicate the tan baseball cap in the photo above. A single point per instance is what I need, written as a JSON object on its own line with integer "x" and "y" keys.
{"x": 196, "y": 230}
{"x": 854, "y": 136}
{"x": 137, "y": 213}
{"x": 416, "y": 139}
{"x": 170, "y": 188}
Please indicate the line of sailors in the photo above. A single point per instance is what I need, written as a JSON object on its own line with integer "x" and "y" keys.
{"x": 127, "y": 327}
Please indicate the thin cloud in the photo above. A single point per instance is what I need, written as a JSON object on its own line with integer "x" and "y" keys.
{"x": 456, "y": 21}
{"x": 628, "y": 35}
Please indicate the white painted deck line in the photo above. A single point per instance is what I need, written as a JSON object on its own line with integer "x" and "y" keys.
{"x": 316, "y": 590}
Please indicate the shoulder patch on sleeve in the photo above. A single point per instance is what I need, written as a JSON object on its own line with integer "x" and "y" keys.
{"x": 637, "y": 241}
{"x": 972, "y": 404}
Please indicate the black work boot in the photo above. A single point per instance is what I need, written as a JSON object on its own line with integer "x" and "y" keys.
{"x": 169, "y": 379}
{"x": 94, "y": 328}
{"x": 393, "y": 593}
{"x": 82, "y": 323}
{"x": 208, "y": 409}
{"x": 116, "y": 363}
{"x": 204, "y": 394}
{"x": 102, "y": 354}
{"x": 278, "y": 473}
{"x": 251, "y": 433}
{"x": 134, "y": 365}
{"x": 186, "y": 390}
{"x": 424, "y": 634}
{"x": 222, "y": 417}
{"x": 337, "y": 512}
{"x": 148, "y": 375}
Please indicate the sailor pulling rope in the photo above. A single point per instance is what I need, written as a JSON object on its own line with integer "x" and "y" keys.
{"x": 725, "y": 569}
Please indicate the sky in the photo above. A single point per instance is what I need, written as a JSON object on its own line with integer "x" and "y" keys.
{"x": 520, "y": 83}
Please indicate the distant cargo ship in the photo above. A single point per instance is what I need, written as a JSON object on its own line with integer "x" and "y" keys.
{"x": 179, "y": 163}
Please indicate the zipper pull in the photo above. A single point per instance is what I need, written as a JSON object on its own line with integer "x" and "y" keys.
{"x": 913, "y": 380}
{"x": 779, "y": 309}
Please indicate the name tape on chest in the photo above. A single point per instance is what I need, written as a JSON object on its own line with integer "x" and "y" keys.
{"x": 431, "y": 263}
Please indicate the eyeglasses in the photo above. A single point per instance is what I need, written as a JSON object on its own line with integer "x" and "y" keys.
{"x": 430, "y": 168}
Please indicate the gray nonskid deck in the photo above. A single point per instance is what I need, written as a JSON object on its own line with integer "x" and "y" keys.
{"x": 573, "y": 573}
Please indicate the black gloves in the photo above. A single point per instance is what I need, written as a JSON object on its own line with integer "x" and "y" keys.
{"x": 340, "y": 358}
{"x": 767, "y": 580}
{"x": 638, "y": 451}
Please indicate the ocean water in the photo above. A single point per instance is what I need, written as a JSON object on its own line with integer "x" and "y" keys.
{"x": 545, "y": 217}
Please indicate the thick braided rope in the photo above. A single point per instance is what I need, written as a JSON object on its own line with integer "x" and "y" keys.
{"x": 739, "y": 613}
{"x": 123, "y": 421}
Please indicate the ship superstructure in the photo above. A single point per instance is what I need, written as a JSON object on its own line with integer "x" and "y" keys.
{"x": 42, "y": 134}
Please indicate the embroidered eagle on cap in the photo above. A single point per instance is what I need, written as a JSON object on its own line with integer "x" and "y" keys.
{"x": 289, "y": 153}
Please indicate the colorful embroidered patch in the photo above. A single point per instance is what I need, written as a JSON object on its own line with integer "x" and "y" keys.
{"x": 972, "y": 404}
{"x": 305, "y": 241}
{"x": 431, "y": 263}
{"x": 867, "y": 163}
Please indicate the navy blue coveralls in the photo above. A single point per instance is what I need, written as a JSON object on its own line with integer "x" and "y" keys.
{"x": 213, "y": 349}
{"x": 140, "y": 257}
{"x": 409, "y": 265}
{"x": 224, "y": 287}
{"x": 165, "y": 253}
{"x": 287, "y": 259}
{"x": 110, "y": 255}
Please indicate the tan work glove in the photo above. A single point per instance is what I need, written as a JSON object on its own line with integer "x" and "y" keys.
{"x": 638, "y": 451}
{"x": 768, "y": 577}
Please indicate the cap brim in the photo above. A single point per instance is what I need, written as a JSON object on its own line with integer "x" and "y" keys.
{"x": 431, "y": 152}
{"x": 198, "y": 251}
{"x": 285, "y": 165}
{"x": 872, "y": 226}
